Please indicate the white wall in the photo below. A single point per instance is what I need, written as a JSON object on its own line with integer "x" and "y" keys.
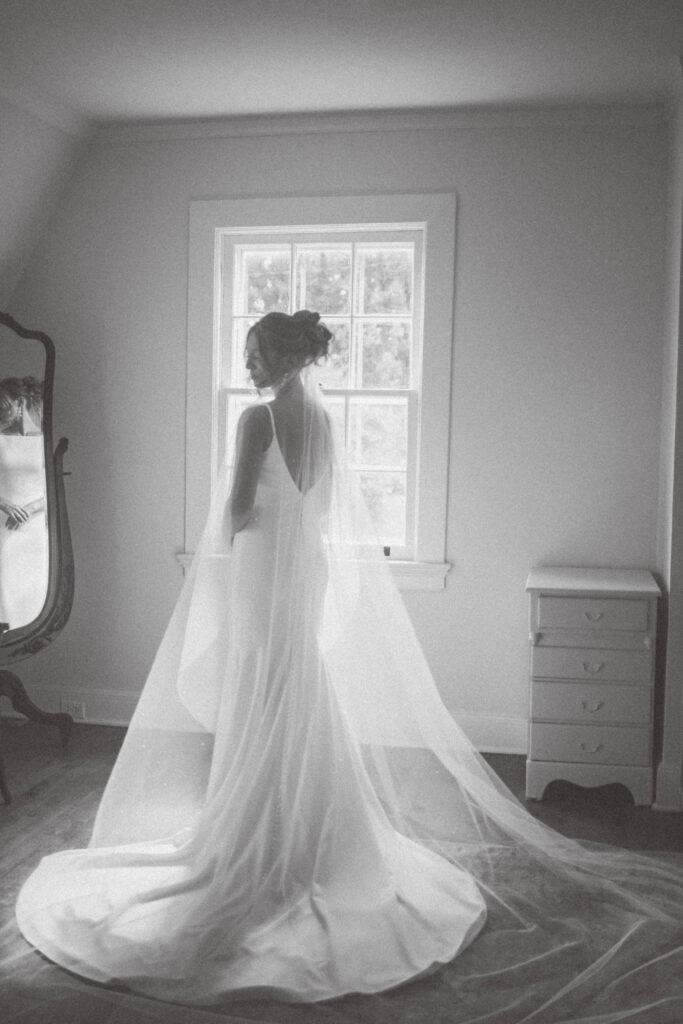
{"x": 36, "y": 158}
{"x": 670, "y": 770}
{"x": 557, "y": 379}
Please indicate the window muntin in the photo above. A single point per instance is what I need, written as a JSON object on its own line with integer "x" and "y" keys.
{"x": 367, "y": 288}
{"x": 433, "y": 216}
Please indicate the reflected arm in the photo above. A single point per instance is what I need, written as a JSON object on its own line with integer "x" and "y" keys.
{"x": 35, "y": 506}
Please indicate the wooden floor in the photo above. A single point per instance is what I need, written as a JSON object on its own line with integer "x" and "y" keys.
{"x": 55, "y": 795}
{"x": 602, "y": 815}
{"x": 54, "y": 798}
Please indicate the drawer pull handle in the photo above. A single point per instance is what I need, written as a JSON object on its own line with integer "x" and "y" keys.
{"x": 586, "y": 705}
{"x": 593, "y": 670}
{"x": 591, "y": 750}
{"x": 593, "y": 616}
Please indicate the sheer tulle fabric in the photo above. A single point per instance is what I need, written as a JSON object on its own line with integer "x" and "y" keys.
{"x": 294, "y": 812}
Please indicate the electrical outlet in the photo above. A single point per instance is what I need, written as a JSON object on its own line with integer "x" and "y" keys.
{"x": 75, "y": 708}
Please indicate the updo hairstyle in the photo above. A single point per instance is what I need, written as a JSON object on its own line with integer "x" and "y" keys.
{"x": 291, "y": 342}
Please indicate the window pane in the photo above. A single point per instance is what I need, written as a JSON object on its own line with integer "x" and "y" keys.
{"x": 363, "y": 291}
{"x": 337, "y": 409}
{"x": 236, "y": 406}
{"x": 378, "y": 433}
{"x": 265, "y": 281}
{"x": 385, "y": 495}
{"x": 324, "y": 280}
{"x": 333, "y": 372}
{"x": 385, "y": 353}
{"x": 385, "y": 279}
{"x": 238, "y": 376}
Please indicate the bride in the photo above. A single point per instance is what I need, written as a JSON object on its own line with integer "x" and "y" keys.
{"x": 23, "y": 522}
{"x": 295, "y": 814}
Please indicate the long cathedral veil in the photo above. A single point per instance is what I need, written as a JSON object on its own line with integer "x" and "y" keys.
{"x": 573, "y": 932}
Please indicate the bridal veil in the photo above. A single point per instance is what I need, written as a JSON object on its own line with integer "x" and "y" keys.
{"x": 295, "y": 814}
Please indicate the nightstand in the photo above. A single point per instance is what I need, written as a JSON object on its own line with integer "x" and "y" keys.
{"x": 592, "y": 638}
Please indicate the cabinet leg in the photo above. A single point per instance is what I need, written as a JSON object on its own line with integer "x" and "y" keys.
{"x": 536, "y": 780}
{"x": 636, "y": 778}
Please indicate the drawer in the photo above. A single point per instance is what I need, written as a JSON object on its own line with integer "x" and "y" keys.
{"x": 591, "y": 663}
{"x": 614, "y": 640}
{"x": 589, "y": 744}
{"x": 583, "y": 702}
{"x": 588, "y": 613}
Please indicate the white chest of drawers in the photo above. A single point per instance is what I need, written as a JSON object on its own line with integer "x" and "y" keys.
{"x": 592, "y": 639}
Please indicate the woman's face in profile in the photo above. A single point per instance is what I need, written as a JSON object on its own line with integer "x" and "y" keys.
{"x": 258, "y": 370}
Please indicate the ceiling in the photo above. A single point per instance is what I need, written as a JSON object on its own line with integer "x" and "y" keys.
{"x": 152, "y": 60}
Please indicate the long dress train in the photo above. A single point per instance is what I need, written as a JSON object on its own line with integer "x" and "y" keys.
{"x": 295, "y": 813}
{"x": 292, "y": 880}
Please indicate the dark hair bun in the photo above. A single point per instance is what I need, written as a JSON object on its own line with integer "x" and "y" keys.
{"x": 33, "y": 390}
{"x": 300, "y": 337}
{"x": 318, "y": 334}
{"x": 28, "y": 388}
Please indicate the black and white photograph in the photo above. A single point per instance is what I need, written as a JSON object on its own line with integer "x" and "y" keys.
{"x": 341, "y": 511}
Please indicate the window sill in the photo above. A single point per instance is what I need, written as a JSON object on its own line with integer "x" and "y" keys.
{"x": 408, "y": 575}
{"x": 420, "y": 575}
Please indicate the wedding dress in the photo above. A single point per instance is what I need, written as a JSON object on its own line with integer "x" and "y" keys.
{"x": 295, "y": 814}
{"x": 23, "y": 551}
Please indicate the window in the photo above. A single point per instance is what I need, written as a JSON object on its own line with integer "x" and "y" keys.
{"x": 367, "y": 286}
{"x": 379, "y": 270}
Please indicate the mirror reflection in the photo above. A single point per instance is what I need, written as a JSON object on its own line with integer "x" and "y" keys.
{"x": 24, "y": 549}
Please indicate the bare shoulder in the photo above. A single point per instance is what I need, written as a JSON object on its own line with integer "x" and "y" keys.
{"x": 255, "y": 425}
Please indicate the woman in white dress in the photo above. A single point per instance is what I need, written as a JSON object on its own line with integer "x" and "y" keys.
{"x": 23, "y": 522}
{"x": 295, "y": 814}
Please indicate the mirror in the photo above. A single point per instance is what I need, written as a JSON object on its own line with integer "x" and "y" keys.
{"x": 24, "y": 550}
{"x": 36, "y": 557}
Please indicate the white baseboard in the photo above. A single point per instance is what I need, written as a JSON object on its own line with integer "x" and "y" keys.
{"x": 101, "y": 707}
{"x": 491, "y": 734}
{"x": 494, "y": 734}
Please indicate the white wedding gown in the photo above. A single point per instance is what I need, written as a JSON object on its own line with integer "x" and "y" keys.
{"x": 24, "y": 551}
{"x": 294, "y": 813}
{"x": 292, "y": 880}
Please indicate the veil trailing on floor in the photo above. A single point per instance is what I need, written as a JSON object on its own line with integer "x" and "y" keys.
{"x": 294, "y": 813}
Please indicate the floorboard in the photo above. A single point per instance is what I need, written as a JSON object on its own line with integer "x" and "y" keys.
{"x": 55, "y": 795}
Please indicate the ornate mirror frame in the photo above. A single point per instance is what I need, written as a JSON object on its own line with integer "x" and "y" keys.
{"x": 22, "y": 642}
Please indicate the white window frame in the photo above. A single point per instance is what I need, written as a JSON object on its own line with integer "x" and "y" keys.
{"x": 434, "y": 214}
{"x": 231, "y": 240}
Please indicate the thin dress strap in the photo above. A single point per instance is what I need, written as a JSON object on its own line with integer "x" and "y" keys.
{"x": 272, "y": 423}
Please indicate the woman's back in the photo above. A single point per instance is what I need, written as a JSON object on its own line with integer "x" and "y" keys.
{"x": 302, "y": 434}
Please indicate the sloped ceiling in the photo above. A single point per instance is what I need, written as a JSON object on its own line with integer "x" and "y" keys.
{"x": 132, "y": 60}
{"x": 67, "y": 66}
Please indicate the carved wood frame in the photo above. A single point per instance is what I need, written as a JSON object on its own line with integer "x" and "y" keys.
{"x": 18, "y": 644}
